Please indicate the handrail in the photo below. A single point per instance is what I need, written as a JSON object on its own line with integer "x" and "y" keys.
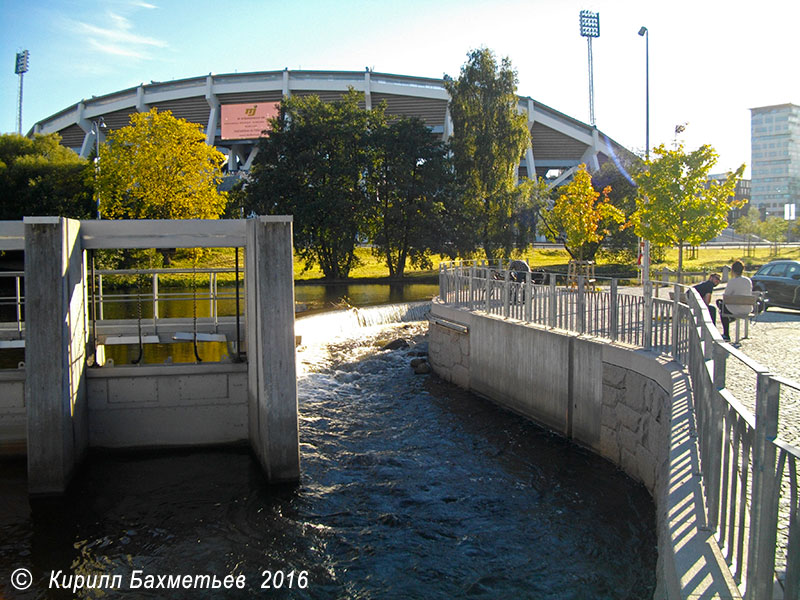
{"x": 746, "y": 466}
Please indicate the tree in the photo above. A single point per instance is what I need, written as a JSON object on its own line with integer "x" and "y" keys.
{"x": 749, "y": 225}
{"x": 623, "y": 243}
{"x": 313, "y": 165}
{"x": 159, "y": 167}
{"x": 410, "y": 178}
{"x": 677, "y": 204}
{"x": 40, "y": 177}
{"x": 489, "y": 138}
{"x": 578, "y": 220}
{"x": 774, "y": 229}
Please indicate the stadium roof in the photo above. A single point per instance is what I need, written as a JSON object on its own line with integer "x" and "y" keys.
{"x": 558, "y": 142}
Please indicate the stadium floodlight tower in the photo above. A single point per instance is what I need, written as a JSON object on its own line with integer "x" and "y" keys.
{"x": 20, "y": 68}
{"x": 590, "y": 28}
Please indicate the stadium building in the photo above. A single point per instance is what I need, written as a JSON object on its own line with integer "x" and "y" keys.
{"x": 234, "y": 108}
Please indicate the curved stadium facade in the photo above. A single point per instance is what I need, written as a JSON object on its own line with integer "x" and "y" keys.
{"x": 558, "y": 143}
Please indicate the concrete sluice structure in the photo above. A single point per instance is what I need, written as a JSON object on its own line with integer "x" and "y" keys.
{"x": 57, "y": 406}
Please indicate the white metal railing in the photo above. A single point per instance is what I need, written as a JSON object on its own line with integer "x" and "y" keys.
{"x": 750, "y": 474}
{"x": 143, "y": 298}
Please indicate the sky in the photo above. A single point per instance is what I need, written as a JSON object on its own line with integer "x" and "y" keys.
{"x": 709, "y": 61}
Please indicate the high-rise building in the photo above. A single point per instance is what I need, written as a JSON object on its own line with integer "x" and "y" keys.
{"x": 775, "y": 160}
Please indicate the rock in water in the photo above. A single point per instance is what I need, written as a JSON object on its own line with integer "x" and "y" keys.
{"x": 396, "y": 344}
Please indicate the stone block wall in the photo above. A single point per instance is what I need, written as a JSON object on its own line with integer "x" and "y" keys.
{"x": 449, "y": 354}
{"x": 634, "y": 423}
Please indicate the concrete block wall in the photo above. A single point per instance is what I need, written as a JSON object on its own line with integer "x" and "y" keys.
{"x": 167, "y": 405}
{"x": 13, "y": 414}
{"x": 629, "y": 406}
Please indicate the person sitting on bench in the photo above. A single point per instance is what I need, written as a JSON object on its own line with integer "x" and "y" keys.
{"x": 739, "y": 285}
{"x": 705, "y": 289}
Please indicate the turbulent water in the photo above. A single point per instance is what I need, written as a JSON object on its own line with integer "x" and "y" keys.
{"x": 410, "y": 488}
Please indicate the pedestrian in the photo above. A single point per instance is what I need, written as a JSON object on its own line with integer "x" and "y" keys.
{"x": 739, "y": 285}
{"x": 705, "y": 290}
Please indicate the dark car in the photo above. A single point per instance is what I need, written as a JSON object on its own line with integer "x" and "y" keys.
{"x": 780, "y": 282}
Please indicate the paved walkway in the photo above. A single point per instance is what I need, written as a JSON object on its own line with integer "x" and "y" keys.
{"x": 774, "y": 342}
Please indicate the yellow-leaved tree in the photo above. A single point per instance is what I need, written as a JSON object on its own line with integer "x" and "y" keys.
{"x": 159, "y": 167}
{"x": 580, "y": 218}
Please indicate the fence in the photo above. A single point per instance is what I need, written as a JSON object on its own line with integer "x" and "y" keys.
{"x": 750, "y": 475}
{"x": 133, "y": 294}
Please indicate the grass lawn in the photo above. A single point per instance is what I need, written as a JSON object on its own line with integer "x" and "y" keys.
{"x": 707, "y": 258}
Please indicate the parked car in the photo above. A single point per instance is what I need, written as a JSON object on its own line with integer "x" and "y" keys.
{"x": 780, "y": 283}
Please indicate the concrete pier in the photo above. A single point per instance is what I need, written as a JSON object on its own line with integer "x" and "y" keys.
{"x": 271, "y": 375}
{"x": 67, "y": 409}
{"x": 56, "y": 335}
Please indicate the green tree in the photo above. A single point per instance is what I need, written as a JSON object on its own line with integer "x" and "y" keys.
{"x": 40, "y": 177}
{"x": 410, "y": 178}
{"x": 313, "y": 165}
{"x": 621, "y": 244}
{"x": 677, "y": 205}
{"x": 774, "y": 229}
{"x": 159, "y": 167}
{"x": 579, "y": 220}
{"x": 748, "y": 225}
{"x": 489, "y": 138}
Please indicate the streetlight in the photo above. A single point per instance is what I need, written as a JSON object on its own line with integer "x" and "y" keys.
{"x": 590, "y": 28}
{"x": 646, "y": 34}
{"x": 20, "y": 68}
{"x": 97, "y": 126}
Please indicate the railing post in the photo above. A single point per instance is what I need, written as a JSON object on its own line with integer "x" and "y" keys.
{"x": 472, "y": 287}
{"x": 581, "y": 307}
{"x": 676, "y": 320}
{"x": 647, "y": 333}
{"x": 155, "y": 303}
{"x": 613, "y": 315}
{"x": 712, "y": 445}
{"x": 764, "y": 502}
{"x": 551, "y": 305}
{"x": 100, "y": 294}
{"x": 528, "y": 297}
{"x": 506, "y": 295}
{"x": 19, "y": 306}
{"x": 442, "y": 284}
{"x": 488, "y": 288}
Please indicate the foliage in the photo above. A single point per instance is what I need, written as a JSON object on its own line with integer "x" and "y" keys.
{"x": 774, "y": 229}
{"x": 489, "y": 138}
{"x": 579, "y": 220}
{"x": 409, "y": 180}
{"x": 159, "y": 167}
{"x": 749, "y": 225}
{"x": 40, "y": 177}
{"x": 313, "y": 166}
{"x": 620, "y": 245}
{"x": 677, "y": 204}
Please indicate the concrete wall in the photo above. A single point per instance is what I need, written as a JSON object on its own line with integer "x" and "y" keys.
{"x": 167, "y": 405}
{"x": 13, "y": 415}
{"x": 627, "y": 405}
{"x": 55, "y": 352}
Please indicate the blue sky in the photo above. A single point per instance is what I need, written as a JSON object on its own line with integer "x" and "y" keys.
{"x": 710, "y": 61}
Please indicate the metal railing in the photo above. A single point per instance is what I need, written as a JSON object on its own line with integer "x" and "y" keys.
{"x": 750, "y": 474}
{"x": 12, "y": 303}
{"x": 140, "y": 295}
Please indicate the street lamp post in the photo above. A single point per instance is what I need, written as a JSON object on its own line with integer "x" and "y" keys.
{"x": 97, "y": 126}
{"x": 646, "y": 34}
{"x": 590, "y": 28}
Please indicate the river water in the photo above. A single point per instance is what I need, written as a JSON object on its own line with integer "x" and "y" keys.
{"x": 411, "y": 488}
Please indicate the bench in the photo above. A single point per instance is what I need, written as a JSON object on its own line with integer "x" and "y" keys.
{"x": 738, "y": 303}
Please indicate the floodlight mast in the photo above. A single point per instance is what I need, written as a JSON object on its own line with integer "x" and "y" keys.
{"x": 20, "y": 68}
{"x": 590, "y": 28}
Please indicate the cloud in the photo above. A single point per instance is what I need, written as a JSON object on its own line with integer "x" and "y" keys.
{"x": 114, "y": 34}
